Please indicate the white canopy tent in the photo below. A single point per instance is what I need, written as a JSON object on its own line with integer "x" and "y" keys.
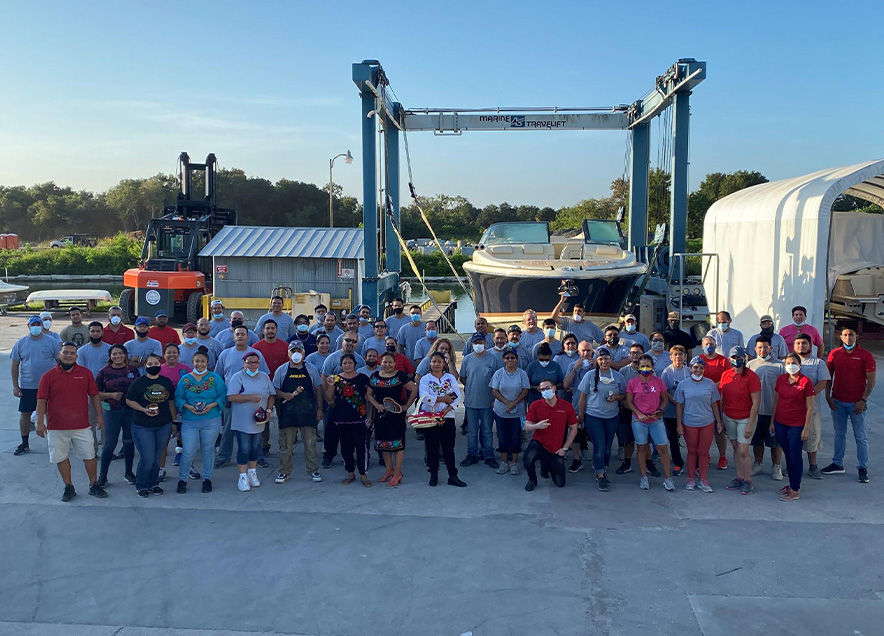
{"x": 773, "y": 242}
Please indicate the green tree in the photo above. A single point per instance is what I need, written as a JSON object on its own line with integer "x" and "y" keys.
{"x": 715, "y": 186}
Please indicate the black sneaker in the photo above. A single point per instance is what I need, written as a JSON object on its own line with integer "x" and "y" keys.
{"x": 833, "y": 469}
{"x": 220, "y": 463}
{"x": 463, "y": 429}
{"x": 575, "y": 466}
{"x": 144, "y": 492}
{"x": 193, "y": 474}
{"x": 23, "y": 448}
{"x": 69, "y": 492}
{"x": 544, "y": 474}
{"x": 457, "y": 481}
{"x": 207, "y": 485}
{"x": 434, "y": 479}
{"x": 326, "y": 464}
{"x": 182, "y": 487}
{"x": 156, "y": 490}
{"x": 736, "y": 484}
{"x": 603, "y": 483}
{"x": 97, "y": 491}
{"x": 262, "y": 463}
{"x": 130, "y": 478}
{"x": 531, "y": 485}
{"x": 469, "y": 460}
{"x": 625, "y": 467}
{"x": 102, "y": 481}
{"x": 492, "y": 462}
{"x": 863, "y": 475}
{"x": 652, "y": 470}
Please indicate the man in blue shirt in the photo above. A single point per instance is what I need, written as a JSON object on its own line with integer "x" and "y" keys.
{"x": 475, "y": 374}
{"x": 218, "y": 323}
{"x": 30, "y": 358}
{"x": 141, "y": 346}
{"x": 284, "y": 323}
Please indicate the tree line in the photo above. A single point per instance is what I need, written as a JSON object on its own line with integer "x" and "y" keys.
{"x": 45, "y": 211}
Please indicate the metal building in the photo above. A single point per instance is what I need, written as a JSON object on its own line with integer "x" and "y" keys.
{"x": 249, "y": 261}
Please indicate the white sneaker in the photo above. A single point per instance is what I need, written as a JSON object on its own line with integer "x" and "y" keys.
{"x": 704, "y": 486}
{"x": 315, "y": 476}
{"x": 668, "y": 485}
{"x": 691, "y": 485}
{"x": 253, "y": 478}
{"x": 757, "y": 468}
{"x": 644, "y": 484}
{"x": 777, "y": 473}
{"x": 243, "y": 483}
{"x": 515, "y": 468}
{"x": 504, "y": 468}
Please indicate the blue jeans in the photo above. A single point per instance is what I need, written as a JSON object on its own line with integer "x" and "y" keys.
{"x": 225, "y": 448}
{"x": 248, "y": 447}
{"x": 479, "y": 422}
{"x": 202, "y": 433}
{"x": 843, "y": 411}
{"x": 150, "y": 442}
{"x": 601, "y": 431}
{"x": 789, "y": 439}
{"x": 116, "y": 420}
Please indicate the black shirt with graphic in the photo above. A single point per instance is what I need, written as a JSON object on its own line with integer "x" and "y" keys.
{"x": 159, "y": 391}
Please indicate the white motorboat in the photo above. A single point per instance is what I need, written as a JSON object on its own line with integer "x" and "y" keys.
{"x": 518, "y": 265}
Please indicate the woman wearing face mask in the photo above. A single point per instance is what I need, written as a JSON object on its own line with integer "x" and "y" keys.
{"x": 303, "y": 335}
{"x": 323, "y": 350}
{"x": 345, "y": 392}
{"x": 543, "y": 368}
{"x": 698, "y": 414}
{"x": 509, "y": 386}
{"x": 793, "y": 414}
{"x": 199, "y": 396}
{"x": 443, "y": 346}
{"x": 152, "y": 398}
{"x": 173, "y": 369}
{"x": 389, "y": 426}
{"x": 646, "y": 397}
{"x": 403, "y": 363}
{"x": 440, "y": 395}
{"x": 251, "y": 395}
{"x": 598, "y": 409}
{"x": 672, "y": 376}
{"x": 566, "y": 358}
{"x": 658, "y": 353}
{"x": 113, "y": 382}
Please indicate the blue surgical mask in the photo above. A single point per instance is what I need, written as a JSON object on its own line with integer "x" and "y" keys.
{"x": 302, "y": 328}
{"x": 629, "y": 327}
{"x": 848, "y": 347}
{"x": 35, "y": 330}
{"x": 198, "y": 372}
{"x": 190, "y": 341}
{"x": 251, "y": 373}
{"x": 549, "y": 333}
{"x": 798, "y": 324}
{"x": 415, "y": 318}
{"x": 548, "y": 393}
{"x": 217, "y": 315}
{"x": 709, "y": 350}
{"x": 363, "y": 320}
{"x": 657, "y": 345}
{"x": 432, "y": 333}
{"x": 723, "y": 326}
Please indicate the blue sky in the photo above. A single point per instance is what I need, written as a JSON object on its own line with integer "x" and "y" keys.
{"x": 95, "y": 92}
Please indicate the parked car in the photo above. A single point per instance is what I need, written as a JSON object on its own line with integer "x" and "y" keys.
{"x": 76, "y": 240}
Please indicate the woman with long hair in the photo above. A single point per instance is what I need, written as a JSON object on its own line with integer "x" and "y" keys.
{"x": 391, "y": 393}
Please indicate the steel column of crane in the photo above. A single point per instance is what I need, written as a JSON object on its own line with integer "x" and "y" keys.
{"x": 369, "y": 194}
{"x": 638, "y": 185}
{"x": 393, "y": 261}
{"x": 678, "y": 202}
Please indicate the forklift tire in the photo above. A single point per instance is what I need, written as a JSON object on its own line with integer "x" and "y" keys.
{"x": 194, "y": 307}
{"x": 127, "y": 304}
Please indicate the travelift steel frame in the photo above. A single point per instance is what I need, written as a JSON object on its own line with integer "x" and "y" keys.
{"x": 672, "y": 88}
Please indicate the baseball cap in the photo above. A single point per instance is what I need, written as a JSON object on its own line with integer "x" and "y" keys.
{"x": 628, "y": 317}
{"x": 514, "y": 329}
{"x": 673, "y": 315}
{"x": 142, "y": 320}
{"x": 216, "y": 303}
{"x": 766, "y": 317}
{"x": 478, "y": 337}
{"x": 602, "y": 351}
{"x": 188, "y": 326}
{"x": 736, "y": 352}
{"x": 35, "y": 320}
{"x": 296, "y": 344}
{"x": 161, "y": 313}
{"x": 44, "y": 315}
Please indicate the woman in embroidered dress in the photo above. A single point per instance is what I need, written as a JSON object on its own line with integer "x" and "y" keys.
{"x": 389, "y": 418}
{"x": 440, "y": 395}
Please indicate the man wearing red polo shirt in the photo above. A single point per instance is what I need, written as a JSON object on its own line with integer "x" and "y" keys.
{"x": 276, "y": 354}
{"x": 853, "y": 378}
{"x": 716, "y": 365}
{"x": 63, "y": 417}
{"x": 115, "y": 332}
{"x": 740, "y": 390}
{"x": 548, "y": 417}
{"x": 162, "y": 332}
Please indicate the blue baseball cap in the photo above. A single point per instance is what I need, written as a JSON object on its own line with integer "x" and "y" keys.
{"x": 142, "y": 320}
{"x": 161, "y": 313}
{"x": 478, "y": 337}
{"x": 736, "y": 352}
{"x": 697, "y": 360}
{"x": 35, "y": 320}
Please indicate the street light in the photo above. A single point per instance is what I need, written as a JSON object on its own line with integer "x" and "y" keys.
{"x": 348, "y": 158}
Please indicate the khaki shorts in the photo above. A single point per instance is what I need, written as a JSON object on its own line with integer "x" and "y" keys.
{"x": 736, "y": 429}
{"x": 814, "y": 441}
{"x": 61, "y": 441}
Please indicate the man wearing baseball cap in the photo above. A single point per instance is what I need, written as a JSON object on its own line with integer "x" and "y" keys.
{"x": 673, "y": 334}
{"x": 630, "y": 334}
{"x": 475, "y": 374}
{"x": 778, "y": 347}
{"x": 216, "y": 317}
{"x": 162, "y": 332}
{"x": 142, "y": 345}
{"x": 189, "y": 346}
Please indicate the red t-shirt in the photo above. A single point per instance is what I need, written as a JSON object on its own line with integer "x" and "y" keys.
{"x": 736, "y": 392}
{"x": 792, "y": 407}
{"x": 715, "y": 367}
{"x": 552, "y": 438}
{"x": 120, "y": 336}
{"x": 848, "y": 369}
{"x": 164, "y": 335}
{"x": 275, "y": 354}
{"x": 647, "y": 396}
{"x": 65, "y": 392}
{"x": 404, "y": 364}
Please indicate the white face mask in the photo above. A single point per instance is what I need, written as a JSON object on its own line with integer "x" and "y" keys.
{"x": 115, "y": 320}
{"x": 479, "y": 348}
{"x": 544, "y": 363}
{"x": 792, "y": 369}
{"x": 586, "y": 363}
{"x": 696, "y": 377}
{"x": 606, "y": 380}
{"x": 297, "y": 356}
{"x": 548, "y": 393}
{"x": 203, "y": 372}
{"x": 578, "y": 318}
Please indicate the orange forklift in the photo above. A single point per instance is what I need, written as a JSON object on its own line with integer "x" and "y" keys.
{"x": 171, "y": 276}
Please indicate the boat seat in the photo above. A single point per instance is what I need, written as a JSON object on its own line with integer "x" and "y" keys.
{"x": 572, "y": 252}
{"x": 499, "y": 250}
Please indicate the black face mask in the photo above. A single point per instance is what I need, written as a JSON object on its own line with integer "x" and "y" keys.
{"x": 391, "y": 348}
{"x": 673, "y": 324}
{"x": 94, "y": 340}
{"x": 398, "y": 310}
{"x": 152, "y": 370}
{"x": 613, "y": 340}
{"x": 236, "y": 323}
{"x": 66, "y": 366}
{"x": 767, "y": 331}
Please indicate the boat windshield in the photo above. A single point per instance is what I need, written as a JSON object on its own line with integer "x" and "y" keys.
{"x": 509, "y": 233}
{"x": 598, "y": 231}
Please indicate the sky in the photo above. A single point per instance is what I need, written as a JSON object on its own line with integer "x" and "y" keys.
{"x": 95, "y": 92}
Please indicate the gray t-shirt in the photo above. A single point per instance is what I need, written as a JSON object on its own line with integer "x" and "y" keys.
{"x": 285, "y": 325}
{"x": 697, "y": 398}
{"x": 226, "y": 338}
{"x": 141, "y": 348}
{"x": 377, "y": 344}
{"x": 661, "y": 362}
{"x": 78, "y": 335}
{"x": 610, "y": 383}
{"x": 724, "y": 340}
{"x": 778, "y": 348}
{"x": 214, "y": 348}
{"x": 230, "y": 362}
{"x": 555, "y": 346}
{"x": 395, "y": 323}
{"x": 584, "y": 330}
{"x": 35, "y": 356}
{"x": 528, "y": 339}
{"x": 636, "y": 337}
{"x": 186, "y": 352}
{"x": 316, "y": 360}
{"x": 816, "y": 371}
{"x": 332, "y": 363}
{"x": 408, "y": 336}
{"x": 476, "y": 372}
{"x": 672, "y": 377}
{"x": 242, "y": 414}
{"x": 94, "y": 357}
{"x": 509, "y": 385}
{"x": 217, "y": 326}
{"x": 422, "y": 348}
{"x": 767, "y": 372}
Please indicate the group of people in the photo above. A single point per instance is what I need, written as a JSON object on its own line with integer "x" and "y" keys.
{"x": 548, "y": 387}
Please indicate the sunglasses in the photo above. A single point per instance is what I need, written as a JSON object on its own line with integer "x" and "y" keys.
{"x": 350, "y": 340}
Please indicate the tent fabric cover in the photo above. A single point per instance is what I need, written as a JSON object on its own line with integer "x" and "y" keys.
{"x": 773, "y": 245}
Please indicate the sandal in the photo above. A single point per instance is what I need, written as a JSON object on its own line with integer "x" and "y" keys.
{"x": 396, "y": 480}
{"x": 349, "y": 479}
{"x": 386, "y": 477}
{"x": 365, "y": 481}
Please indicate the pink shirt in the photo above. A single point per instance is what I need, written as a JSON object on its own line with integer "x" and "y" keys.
{"x": 790, "y": 331}
{"x": 174, "y": 373}
{"x": 647, "y": 396}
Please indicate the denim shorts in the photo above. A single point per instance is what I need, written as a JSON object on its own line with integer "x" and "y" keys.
{"x": 655, "y": 430}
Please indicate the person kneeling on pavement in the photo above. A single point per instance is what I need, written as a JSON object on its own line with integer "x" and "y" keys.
{"x": 547, "y": 418}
